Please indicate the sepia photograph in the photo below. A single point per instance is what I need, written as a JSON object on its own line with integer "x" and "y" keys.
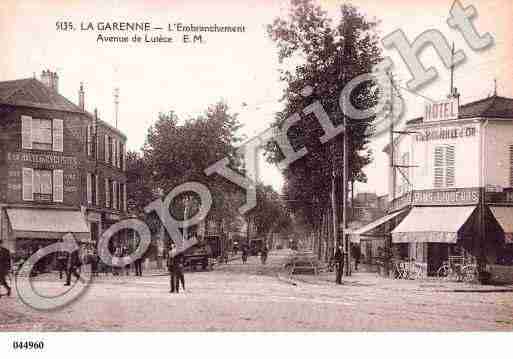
{"x": 288, "y": 166}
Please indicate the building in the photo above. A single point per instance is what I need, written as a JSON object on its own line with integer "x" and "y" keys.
{"x": 451, "y": 188}
{"x": 61, "y": 168}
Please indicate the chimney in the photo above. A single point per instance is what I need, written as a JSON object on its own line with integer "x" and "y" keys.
{"x": 50, "y": 79}
{"x": 45, "y": 78}
{"x": 81, "y": 99}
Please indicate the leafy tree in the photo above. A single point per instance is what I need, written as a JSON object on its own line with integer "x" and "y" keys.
{"x": 327, "y": 54}
{"x": 177, "y": 153}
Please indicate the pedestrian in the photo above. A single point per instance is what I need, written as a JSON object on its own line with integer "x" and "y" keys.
{"x": 138, "y": 265}
{"x": 339, "y": 263}
{"x": 126, "y": 253}
{"x": 117, "y": 269}
{"x": 244, "y": 251}
{"x": 73, "y": 266}
{"x": 356, "y": 255}
{"x": 171, "y": 268}
{"x": 62, "y": 260}
{"x": 263, "y": 254}
{"x": 179, "y": 277}
{"x": 5, "y": 268}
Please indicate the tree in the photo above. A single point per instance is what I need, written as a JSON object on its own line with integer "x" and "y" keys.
{"x": 177, "y": 153}
{"x": 270, "y": 215}
{"x": 327, "y": 55}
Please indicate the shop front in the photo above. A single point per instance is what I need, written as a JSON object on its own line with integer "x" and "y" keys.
{"x": 30, "y": 229}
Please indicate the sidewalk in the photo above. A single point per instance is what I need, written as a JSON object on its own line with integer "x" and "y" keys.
{"x": 369, "y": 279}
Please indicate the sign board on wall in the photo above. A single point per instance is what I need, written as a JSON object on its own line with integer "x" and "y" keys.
{"x": 444, "y": 133}
{"x": 441, "y": 111}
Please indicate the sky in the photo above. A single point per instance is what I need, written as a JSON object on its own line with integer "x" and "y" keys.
{"x": 239, "y": 68}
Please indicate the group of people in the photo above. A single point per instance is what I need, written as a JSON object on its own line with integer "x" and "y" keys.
{"x": 264, "y": 251}
{"x": 5, "y": 269}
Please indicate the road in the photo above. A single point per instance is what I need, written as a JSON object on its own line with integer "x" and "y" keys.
{"x": 254, "y": 297}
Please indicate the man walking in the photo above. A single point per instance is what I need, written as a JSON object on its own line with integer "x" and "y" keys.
{"x": 172, "y": 269}
{"x": 62, "y": 260}
{"x": 339, "y": 263}
{"x": 244, "y": 253}
{"x": 5, "y": 268}
{"x": 179, "y": 272}
{"x": 73, "y": 266}
{"x": 263, "y": 254}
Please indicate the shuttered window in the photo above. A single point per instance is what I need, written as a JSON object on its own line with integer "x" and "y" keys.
{"x": 58, "y": 185}
{"x": 444, "y": 166}
{"x": 107, "y": 149}
{"x": 107, "y": 193}
{"x": 42, "y": 185}
{"x": 28, "y": 184}
{"x": 114, "y": 195}
{"x": 124, "y": 198}
{"x": 26, "y": 132}
{"x": 89, "y": 188}
{"x": 96, "y": 190}
{"x": 89, "y": 140}
{"x": 58, "y": 135}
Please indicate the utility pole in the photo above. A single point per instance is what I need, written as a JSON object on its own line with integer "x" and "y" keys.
{"x": 116, "y": 105}
{"x": 388, "y": 239}
{"x": 345, "y": 181}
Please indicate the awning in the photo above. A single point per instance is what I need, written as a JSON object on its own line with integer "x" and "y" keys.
{"x": 47, "y": 223}
{"x": 369, "y": 230}
{"x": 432, "y": 225}
{"x": 504, "y": 216}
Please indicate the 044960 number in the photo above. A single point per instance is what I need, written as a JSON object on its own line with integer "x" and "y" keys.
{"x": 28, "y": 345}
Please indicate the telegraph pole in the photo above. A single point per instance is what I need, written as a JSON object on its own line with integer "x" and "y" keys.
{"x": 345, "y": 181}
{"x": 388, "y": 239}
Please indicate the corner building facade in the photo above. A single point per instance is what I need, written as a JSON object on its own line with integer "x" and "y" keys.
{"x": 62, "y": 170}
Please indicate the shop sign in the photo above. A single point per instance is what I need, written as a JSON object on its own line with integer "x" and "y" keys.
{"x": 505, "y": 197}
{"x": 42, "y": 159}
{"x": 441, "y": 111}
{"x": 449, "y": 197}
{"x": 444, "y": 133}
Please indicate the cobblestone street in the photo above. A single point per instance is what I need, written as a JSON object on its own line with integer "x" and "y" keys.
{"x": 257, "y": 297}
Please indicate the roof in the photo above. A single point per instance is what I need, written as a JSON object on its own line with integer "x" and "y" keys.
{"x": 33, "y": 93}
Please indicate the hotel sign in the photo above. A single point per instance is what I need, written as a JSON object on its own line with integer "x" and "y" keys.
{"x": 441, "y": 111}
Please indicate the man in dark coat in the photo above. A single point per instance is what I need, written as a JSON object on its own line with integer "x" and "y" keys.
{"x": 5, "y": 268}
{"x": 62, "y": 260}
{"x": 73, "y": 266}
{"x": 179, "y": 272}
{"x": 339, "y": 263}
{"x": 171, "y": 266}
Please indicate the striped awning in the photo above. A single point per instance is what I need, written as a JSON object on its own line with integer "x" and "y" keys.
{"x": 432, "y": 225}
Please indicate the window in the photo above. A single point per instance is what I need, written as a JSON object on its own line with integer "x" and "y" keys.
{"x": 42, "y": 134}
{"x": 114, "y": 195}
{"x": 42, "y": 185}
{"x": 107, "y": 193}
{"x": 89, "y": 141}
{"x": 107, "y": 149}
{"x": 92, "y": 189}
{"x": 444, "y": 166}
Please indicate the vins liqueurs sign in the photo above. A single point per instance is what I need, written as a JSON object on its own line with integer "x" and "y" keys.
{"x": 441, "y": 111}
